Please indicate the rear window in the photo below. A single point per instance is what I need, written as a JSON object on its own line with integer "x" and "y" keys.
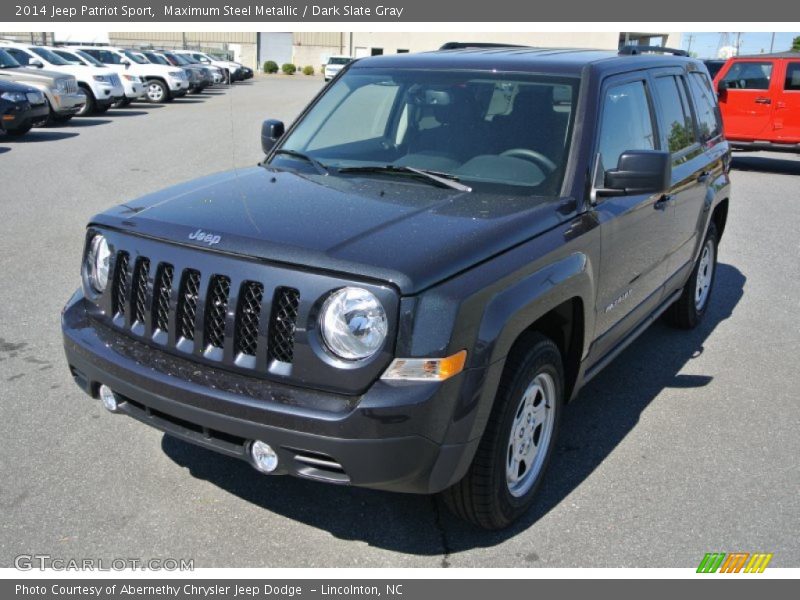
{"x": 749, "y": 75}
{"x": 705, "y": 105}
{"x": 792, "y": 83}
{"x": 678, "y": 125}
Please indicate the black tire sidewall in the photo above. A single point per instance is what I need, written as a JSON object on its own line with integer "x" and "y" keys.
{"x": 697, "y": 315}
{"x": 543, "y": 358}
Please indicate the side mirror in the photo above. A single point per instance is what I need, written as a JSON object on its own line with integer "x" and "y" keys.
{"x": 271, "y": 132}
{"x": 125, "y": 62}
{"x": 37, "y": 64}
{"x": 722, "y": 89}
{"x": 638, "y": 172}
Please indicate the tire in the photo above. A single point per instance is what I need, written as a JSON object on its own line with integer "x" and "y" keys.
{"x": 122, "y": 103}
{"x": 99, "y": 110}
{"x": 90, "y": 106}
{"x": 156, "y": 92}
{"x": 688, "y": 311}
{"x": 488, "y": 496}
{"x": 20, "y": 130}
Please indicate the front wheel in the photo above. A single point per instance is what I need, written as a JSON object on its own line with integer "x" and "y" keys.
{"x": 157, "y": 91}
{"x": 691, "y": 307}
{"x": 20, "y": 130}
{"x": 89, "y": 105}
{"x": 516, "y": 446}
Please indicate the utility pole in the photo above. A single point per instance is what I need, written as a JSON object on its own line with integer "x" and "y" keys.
{"x": 738, "y": 42}
{"x": 772, "y": 43}
{"x": 691, "y": 39}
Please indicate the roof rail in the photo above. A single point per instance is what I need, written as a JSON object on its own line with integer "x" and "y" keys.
{"x": 634, "y": 50}
{"x": 460, "y": 45}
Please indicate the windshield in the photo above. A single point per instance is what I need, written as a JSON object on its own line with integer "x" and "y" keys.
{"x": 137, "y": 58}
{"x": 91, "y": 59}
{"x": 498, "y": 131}
{"x": 338, "y": 60}
{"x": 7, "y": 61}
{"x": 156, "y": 59}
{"x": 49, "y": 56}
{"x": 177, "y": 59}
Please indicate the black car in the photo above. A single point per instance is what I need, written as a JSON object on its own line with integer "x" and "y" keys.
{"x": 21, "y": 106}
{"x": 429, "y": 263}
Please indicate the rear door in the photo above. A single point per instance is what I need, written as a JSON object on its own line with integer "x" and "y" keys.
{"x": 787, "y": 104}
{"x": 690, "y": 173}
{"x": 746, "y": 103}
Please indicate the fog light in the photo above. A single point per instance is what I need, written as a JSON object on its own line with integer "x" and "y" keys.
{"x": 109, "y": 398}
{"x": 264, "y": 457}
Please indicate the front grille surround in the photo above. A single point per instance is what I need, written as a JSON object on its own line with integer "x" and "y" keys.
{"x": 266, "y": 328}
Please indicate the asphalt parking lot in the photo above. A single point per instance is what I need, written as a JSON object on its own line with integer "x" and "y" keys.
{"x": 686, "y": 444}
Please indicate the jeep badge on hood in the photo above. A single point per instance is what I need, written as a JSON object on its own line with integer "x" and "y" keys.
{"x": 208, "y": 238}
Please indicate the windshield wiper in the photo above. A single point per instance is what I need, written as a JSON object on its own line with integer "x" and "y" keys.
{"x": 435, "y": 177}
{"x": 323, "y": 170}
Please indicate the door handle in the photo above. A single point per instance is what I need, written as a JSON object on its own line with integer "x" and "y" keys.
{"x": 762, "y": 100}
{"x": 663, "y": 202}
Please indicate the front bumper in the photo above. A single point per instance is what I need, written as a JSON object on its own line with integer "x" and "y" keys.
{"x": 178, "y": 85}
{"x": 106, "y": 95}
{"x": 68, "y": 104}
{"x": 19, "y": 115}
{"x": 390, "y": 438}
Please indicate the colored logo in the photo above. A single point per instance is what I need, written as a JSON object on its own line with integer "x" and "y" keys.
{"x": 735, "y": 562}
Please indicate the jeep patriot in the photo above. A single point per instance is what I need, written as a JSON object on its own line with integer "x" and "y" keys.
{"x": 425, "y": 268}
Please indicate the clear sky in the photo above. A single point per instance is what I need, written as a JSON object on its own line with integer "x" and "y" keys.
{"x": 706, "y": 44}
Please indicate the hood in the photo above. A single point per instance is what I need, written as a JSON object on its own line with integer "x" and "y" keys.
{"x": 393, "y": 230}
{"x": 10, "y": 86}
{"x": 40, "y": 76}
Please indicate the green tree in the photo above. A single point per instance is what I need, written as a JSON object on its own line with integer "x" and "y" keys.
{"x": 796, "y": 44}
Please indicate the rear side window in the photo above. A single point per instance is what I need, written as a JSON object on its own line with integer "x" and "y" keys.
{"x": 792, "y": 83}
{"x": 749, "y": 76}
{"x": 705, "y": 105}
{"x": 626, "y": 123}
{"x": 677, "y": 117}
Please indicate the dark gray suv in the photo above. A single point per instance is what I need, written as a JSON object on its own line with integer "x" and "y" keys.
{"x": 429, "y": 263}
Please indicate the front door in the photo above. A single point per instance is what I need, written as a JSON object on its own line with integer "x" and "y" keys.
{"x": 635, "y": 229}
{"x": 746, "y": 103}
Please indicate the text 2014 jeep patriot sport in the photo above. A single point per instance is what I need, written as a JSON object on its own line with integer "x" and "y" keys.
{"x": 428, "y": 264}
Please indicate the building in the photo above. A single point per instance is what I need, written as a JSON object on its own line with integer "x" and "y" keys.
{"x": 314, "y": 48}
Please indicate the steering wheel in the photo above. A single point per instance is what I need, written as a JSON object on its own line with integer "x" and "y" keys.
{"x": 533, "y": 156}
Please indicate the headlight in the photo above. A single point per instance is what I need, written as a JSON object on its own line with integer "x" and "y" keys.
{"x": 61, "y": 85}
{"x": 353, "y": 323}
{"x": 102, "y": 78}
{"x": 97, "y": 263}
{"x": 177, "y": 74}
{"x": 14, "y": 96}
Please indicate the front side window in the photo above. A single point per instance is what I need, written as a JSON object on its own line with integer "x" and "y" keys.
{"x": 137, "y": 58}
{"x": 104, "y": 56}
{"x": 749, "y": 75}
{"x": 89, "y": 58}
{"x": 677, "y": 118}
{"x": 792, "y": 82}
{"x": 487, "y": 129}
{"x": 626, "y": 122}
{"x": 20, "y": 56}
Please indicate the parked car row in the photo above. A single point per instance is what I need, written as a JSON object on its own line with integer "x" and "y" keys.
{"x": 51, "y": 84}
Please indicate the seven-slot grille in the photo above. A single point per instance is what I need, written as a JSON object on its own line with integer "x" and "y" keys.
{"x": 208, "y": 299}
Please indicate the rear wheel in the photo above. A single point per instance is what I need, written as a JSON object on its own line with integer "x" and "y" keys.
{"x": 691, "y": 307}
{"x": 516, "y": 446}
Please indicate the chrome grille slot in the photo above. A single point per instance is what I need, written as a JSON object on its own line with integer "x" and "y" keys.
{"x": 283, "y": 323}
{"x": 139, "y": 287}
{"x": 247, "y": 318}
{"x": 162, "y": 291}
{"x": 187, "y": 306}
{"x": 119, "y": 291}
{"x": 216, "y": 310}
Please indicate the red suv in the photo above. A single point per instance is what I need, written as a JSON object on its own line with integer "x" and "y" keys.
{"x": 759, "y": 97}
